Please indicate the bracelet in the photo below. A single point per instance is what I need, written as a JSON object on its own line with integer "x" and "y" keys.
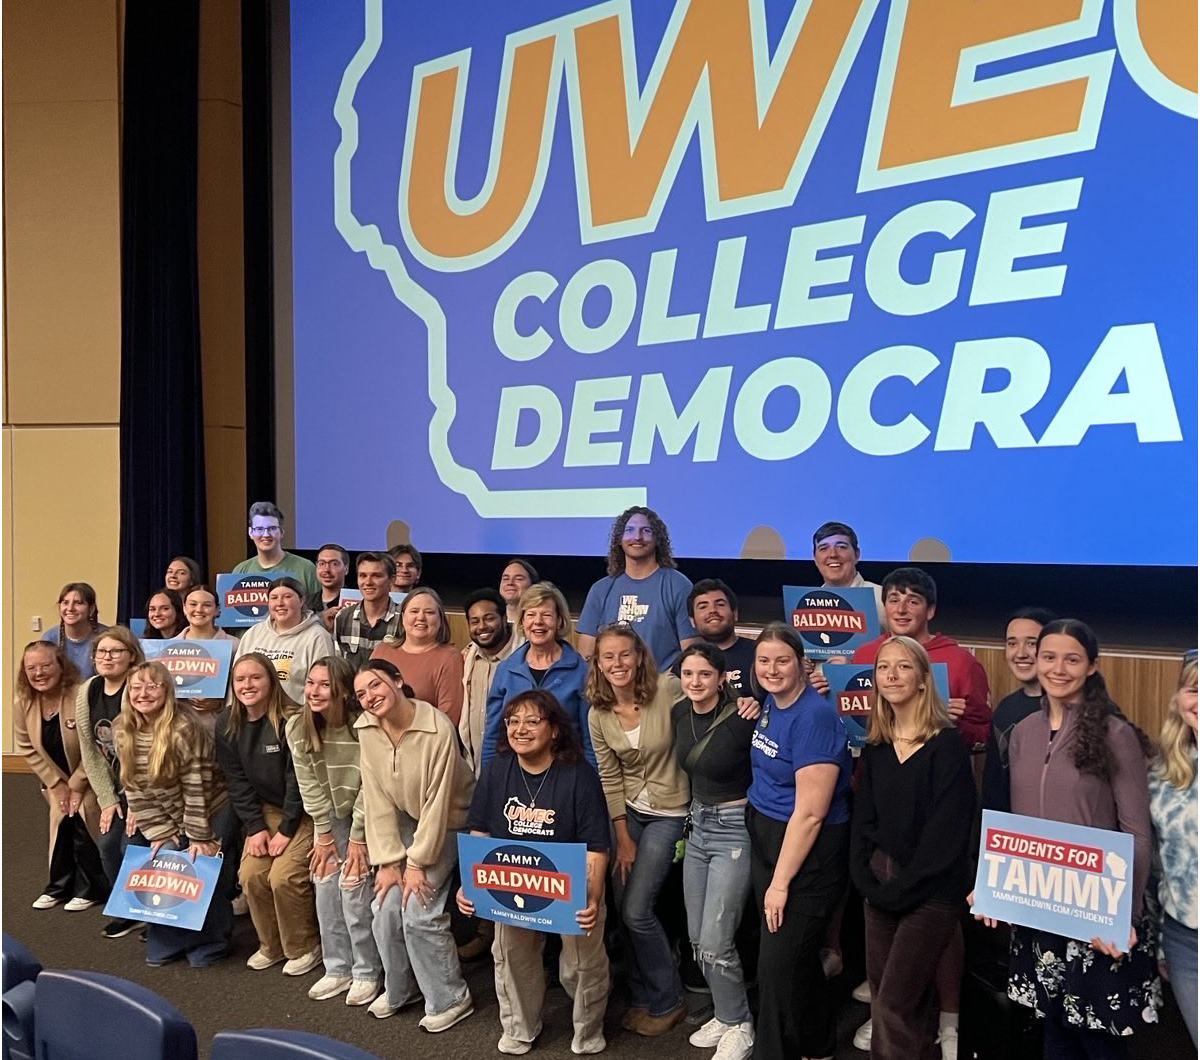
{"x": 320, "y": 843}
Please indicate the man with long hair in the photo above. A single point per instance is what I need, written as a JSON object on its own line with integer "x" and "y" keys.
{"x": 643, "y": 589}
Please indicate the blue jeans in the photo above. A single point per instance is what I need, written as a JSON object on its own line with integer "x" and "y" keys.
{"x": 344, "y": 917}
{"x": 654, "y": 982}
{"x": 415, "y": 944}
{"x": 112, "y": 843}
{"x": 716, "y": 881}
{"x": 1179, "y": 947}
{"x": 209, "y": 944}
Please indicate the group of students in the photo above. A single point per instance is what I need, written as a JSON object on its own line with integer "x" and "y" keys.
{"x": 356, "y": 742}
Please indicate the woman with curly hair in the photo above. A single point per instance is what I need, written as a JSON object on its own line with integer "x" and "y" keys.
{"x": 44, "y": 731}
{"x": 1079, "y": 760}
{"x": 643, "y": 589}
{"x": 1173, "y": 812}
{"x": 647, "y": 795}
{"x": 175, "y": 791}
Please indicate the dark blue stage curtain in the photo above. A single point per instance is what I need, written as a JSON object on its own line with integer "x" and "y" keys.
{"x": 162, "y": 421}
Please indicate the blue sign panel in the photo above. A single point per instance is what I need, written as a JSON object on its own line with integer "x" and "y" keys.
{"x": 540, "y": 886}
{"x": 164, "y": 888}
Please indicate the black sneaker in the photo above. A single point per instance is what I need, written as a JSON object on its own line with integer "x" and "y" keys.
{"x": 118, "y": 929}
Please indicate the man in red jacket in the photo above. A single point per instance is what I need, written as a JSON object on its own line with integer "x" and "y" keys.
{"x": 910, "y": 601}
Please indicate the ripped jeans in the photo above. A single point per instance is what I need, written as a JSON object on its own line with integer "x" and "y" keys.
{"x": 716, "y": 881}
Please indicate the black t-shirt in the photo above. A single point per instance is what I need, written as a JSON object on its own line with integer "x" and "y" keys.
{"x": 563, "y": 805}
{"x": 722, "y": 771}
{"x": 739, "y": 665}
{"x": 538, "y": 675}
{"x": 52, "y": 743}
{"x": 1011, "y": 710}
{"x": 103, "y": 710}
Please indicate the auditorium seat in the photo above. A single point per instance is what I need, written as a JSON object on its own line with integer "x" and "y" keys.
{"x": 282, "y": 1045}
{"x": 20, "y": 970}
{"x": 86, "y": 1015}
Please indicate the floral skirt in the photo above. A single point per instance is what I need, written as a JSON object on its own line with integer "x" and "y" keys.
{"x": 1068, "y": 981}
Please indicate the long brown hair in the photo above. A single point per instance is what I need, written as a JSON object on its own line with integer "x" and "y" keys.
{"x": 280, "y": 706}
{"x": 342, "y": 711}
{"x": 68, "y": 679}
{"x": 663, "y": 554}
{"x": 89, "y": 598}
{"x": 600, "y": 693}
{"x": 931, "y": 714}
{"x": 176, "y": 737}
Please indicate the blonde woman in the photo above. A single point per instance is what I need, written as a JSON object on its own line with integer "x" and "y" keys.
{"x": 324, "y": 750}
{"x": 647, "y": 795}
{"x": 175, "y": 792}
{"x": 252, "y": 750}
{"x": 44, "y": 730}
{"x": 1173, "y": 814}
{"x": 909, "y": 841}
{"x": 97, "y": 706}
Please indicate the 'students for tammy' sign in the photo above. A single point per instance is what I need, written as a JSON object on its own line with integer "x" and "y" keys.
{"x": 1064, "y": 878}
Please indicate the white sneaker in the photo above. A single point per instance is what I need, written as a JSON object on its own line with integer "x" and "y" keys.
{"x": 862, "y": 992}
{"x": 304, "y": 964}
{"x": 260, "y": 960}
{"x": 447, "y": 1018}
{"x": 45, "y": 901}
{"x": 329, "y": 986}
{"x": 78, "y": 905}
{"x": 862, "y": 1037}
{"x": 588, "y": 1046}
{"x": 710, "y": 1034}
{"x": 512, "y": 1046}
{"x": 948, "y": 1040}
{"x": 362, "y": 992}
{"x": 240, "y": 906}
{"x": 831, "y": 963}
{"x": 381, "y": 1010}
{"x": 737, "y": 1044}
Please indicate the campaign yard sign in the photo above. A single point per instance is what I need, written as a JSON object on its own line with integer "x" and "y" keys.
{"x": 199, "y": 668}
{"x": 831, "y": 621}
{"x": 353, "y": 596}
{"x": 1063, "y": 878}
{"x": 852, "y": 692}
{"x": 164, "y": 888}
{"x": 243, "y": 598}
{"x": 540, "y": 886}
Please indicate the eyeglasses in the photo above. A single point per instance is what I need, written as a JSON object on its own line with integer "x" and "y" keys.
{"x": 516, "y": 723}
{"x": 324, "y": 563}
{"x": 44, "y": 668}
{"x": 110, "y": 653}
{"x": 264, "y": 531}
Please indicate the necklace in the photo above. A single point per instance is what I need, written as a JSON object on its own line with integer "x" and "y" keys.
{"x": 692, "y": 722}
{"x": 908, "y": 739}
{"x": 533, "y": 796}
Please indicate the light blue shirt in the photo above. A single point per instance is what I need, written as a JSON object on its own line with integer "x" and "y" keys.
{"x": 1173, "y": 811}
{"x": 655, "y": 606}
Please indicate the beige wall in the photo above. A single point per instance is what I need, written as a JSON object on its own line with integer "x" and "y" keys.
{"x": 62, "y": 310}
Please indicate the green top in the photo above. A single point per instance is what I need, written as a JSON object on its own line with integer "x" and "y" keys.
{"x": 297, "y": 566}
{"x": 329, "y": 779}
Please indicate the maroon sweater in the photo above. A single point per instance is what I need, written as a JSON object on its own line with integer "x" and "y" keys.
{"x": 1045, "y": 783}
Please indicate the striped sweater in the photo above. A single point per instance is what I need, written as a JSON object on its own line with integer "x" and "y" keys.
{"x": 329, "y": 779}
{"x": 184, "y": 808}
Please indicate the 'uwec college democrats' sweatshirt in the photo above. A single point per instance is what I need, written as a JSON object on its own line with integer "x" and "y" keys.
{"x": 967, "y": 681}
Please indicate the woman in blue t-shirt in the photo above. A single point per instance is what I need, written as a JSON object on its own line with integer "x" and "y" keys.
{"x": 799, "y": 824}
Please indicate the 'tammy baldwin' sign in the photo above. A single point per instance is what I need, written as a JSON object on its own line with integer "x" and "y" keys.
{"x": 540, "y": 886}
{"x": 1063, "y": 878}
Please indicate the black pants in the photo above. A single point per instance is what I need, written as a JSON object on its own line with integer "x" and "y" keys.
{"x": 1076, "y": 1043}
{"x": 76, "y": 870}
{"x": 795, "y": 1009}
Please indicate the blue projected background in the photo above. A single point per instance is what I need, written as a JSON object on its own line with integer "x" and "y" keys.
{"x": 927, "y": 269}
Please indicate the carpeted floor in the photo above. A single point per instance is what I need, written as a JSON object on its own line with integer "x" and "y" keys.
{"x": 231, "y": 996}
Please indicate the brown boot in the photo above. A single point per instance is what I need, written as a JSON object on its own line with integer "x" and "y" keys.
{"x": 633, "y": 1015}
{"x": 653, "y": 1026}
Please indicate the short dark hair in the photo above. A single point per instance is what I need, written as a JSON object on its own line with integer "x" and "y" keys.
{"x": 332, "y": 547}
{"x": 829, "y": 529}
{"x": 911, "y": 580}
{"x": 396, "y": 551}
{"x": 489, "y": 594}
{"x": 266, "y": 509}
{"x": 389, "y": 564}
{"x": 710, "y": 653}
{"x": 1041, "y": 615}
{"x": 711, "y": 585}
{"x": 529, "y": 568}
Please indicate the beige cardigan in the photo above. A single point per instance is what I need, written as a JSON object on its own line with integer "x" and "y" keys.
{"x": 625, "y": 770}
{"x": 422, "y": 776}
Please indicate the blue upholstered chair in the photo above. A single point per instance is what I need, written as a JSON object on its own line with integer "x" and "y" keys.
{"x": 282, "y": 1045}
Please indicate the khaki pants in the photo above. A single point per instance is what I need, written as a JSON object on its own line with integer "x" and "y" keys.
{"x": 521, "y": 980}
{"x": 280, "y": 894}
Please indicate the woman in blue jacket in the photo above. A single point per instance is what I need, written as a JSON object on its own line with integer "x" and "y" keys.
{"x": 547, "y": 661}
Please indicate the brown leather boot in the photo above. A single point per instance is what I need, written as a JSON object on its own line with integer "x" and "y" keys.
{"x": 653, "y": 1026}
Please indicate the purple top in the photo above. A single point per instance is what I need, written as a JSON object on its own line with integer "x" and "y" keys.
{"x": 1045, "y": 783}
